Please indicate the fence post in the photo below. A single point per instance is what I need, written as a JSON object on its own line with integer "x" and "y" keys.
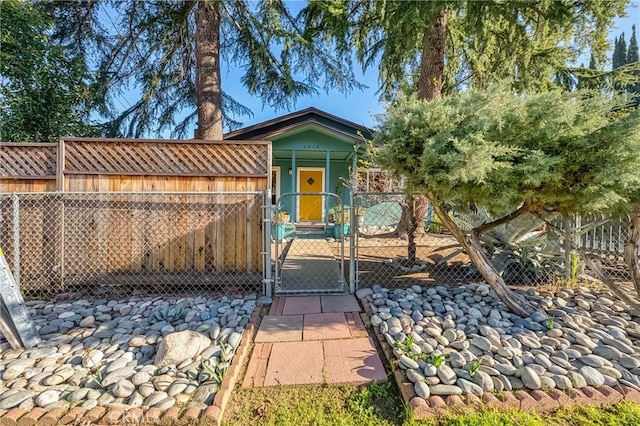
{"x": 352, "y": 244}
{"x": 266, "y": 219}
{"x": 567, "y": 224}
{"x": 16, "y": 239}
{"x": 61, "y": 212}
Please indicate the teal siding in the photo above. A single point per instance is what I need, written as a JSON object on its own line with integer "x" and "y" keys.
{"x": 311, "y": 147}
{"x": 312, "y": 140}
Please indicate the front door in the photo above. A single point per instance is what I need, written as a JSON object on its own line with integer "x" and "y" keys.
{"x": 310, "y": 207}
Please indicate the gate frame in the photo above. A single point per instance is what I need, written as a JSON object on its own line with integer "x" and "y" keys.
{"x": 277, "y": 279}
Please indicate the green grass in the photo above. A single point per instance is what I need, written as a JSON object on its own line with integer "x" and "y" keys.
{"x": 377, "y": 404}
{"x": 380, "y": 404}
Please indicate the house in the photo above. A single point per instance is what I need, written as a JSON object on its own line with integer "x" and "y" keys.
{"x": 312, "y": 151}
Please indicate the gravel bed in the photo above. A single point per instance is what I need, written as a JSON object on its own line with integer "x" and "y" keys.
{"x": 138, "y": 352}
{"x": 462, "y": 340}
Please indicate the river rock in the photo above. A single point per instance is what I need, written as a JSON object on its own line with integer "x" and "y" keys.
{"x": 530, "y": 378}
{"x": 422, "y": 389}
{"x": 123, "y": 388}
{"x": 180, "y": 346}
{"x": 445, "y": 390}
{"x": 592, "y": 376}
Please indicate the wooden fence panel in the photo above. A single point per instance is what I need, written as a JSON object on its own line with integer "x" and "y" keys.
{"x": 114, "y": 235}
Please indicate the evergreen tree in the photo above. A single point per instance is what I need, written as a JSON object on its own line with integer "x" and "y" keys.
{"x": 173, "y": 53}
{"x": 514, "y": 154}
{"x": 632, "y": 53}
{"x": 621, "y": 58}
{"x": 436, "y": 47}
{"x": 44, "y": 95}
{"x": 633, "y": 60}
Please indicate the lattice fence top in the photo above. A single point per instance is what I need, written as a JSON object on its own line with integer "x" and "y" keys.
{"x": 28, "y": 160}
{"x": 161, "y": 157}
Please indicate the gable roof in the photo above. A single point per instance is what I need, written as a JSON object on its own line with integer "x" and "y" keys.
{"x": 301, "y": 119}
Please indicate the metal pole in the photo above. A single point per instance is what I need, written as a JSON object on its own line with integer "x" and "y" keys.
{"x": 16, "y": 240}
{"x": 568, "y": 238}
{"x": 352, "y": 245}
{"x": 267, "y": 242}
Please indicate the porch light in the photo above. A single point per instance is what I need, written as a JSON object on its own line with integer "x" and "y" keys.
{"x": 290, "y": 171}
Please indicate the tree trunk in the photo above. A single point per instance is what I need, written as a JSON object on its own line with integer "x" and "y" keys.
{"x": 594, "y": 264}
{"x": 471, "y": 245}
{"x": 418, "y": 204}
{"x": 632, "y": 246}
{"x": 208, "y": 86}
{"x": 432, "y": 59}
{"x": 429, "y": 88}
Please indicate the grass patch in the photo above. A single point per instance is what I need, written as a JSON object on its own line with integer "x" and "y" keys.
{"x": 623, "y": 414}
{"x": 380, "y": 404}
{"x": 376, "y": 404}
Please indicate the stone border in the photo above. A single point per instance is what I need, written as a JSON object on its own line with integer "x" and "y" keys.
{"x": 150, "y": 416}
{"x": 534, "y": 401}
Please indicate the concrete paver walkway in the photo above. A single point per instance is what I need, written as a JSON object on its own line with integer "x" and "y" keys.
{"x": 310, "y": 265}
{"x": 313, "y": 340}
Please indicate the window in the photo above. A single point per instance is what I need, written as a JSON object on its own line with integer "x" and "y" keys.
{"x": 275, "y": 184}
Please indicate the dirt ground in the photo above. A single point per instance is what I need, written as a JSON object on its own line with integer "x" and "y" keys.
{"x": 375, "y": 253}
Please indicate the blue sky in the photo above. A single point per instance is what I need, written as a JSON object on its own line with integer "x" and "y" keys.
{"x": 359, "y": 105}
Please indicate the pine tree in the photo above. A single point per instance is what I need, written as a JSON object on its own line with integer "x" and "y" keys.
{"x": 616, "y": 60}
{"x": 173, "y": 52}
{"x": 515, "y": 154}
{"x": 633, "y": 59}
{"x": 436, "y": 47}
{"x": 43, "y": 94}
{"x": 621, "y": 59}
{"x": 632, "y": 53}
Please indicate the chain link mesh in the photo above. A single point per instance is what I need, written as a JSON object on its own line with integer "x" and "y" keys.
{"x": 184, "y": 244}
{"x": 122, "y": 244}
{"x": 526, "y": 251}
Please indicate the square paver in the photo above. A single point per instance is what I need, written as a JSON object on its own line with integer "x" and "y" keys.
{"x": 325, "y": 326}
{"x": 353, "y": 361}
{"x": 280, "y": 328}
{"x": 340, "y": 303}
{"x": 295, "y": 363}
{"x": 302, "y": 305}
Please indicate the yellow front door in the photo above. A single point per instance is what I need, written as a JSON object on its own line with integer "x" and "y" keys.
{"x": 310, "y": 205}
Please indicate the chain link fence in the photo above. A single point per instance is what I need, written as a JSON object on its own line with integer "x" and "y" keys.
{"x": 121, "y": 244}
{"x": 526, "y": 251}
{"x": 187, "y": 244}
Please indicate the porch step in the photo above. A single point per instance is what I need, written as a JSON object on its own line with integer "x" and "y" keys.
{"x": 309, "y": 227}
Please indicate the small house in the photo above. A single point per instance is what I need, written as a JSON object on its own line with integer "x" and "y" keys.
{"x": 312, "y": 151}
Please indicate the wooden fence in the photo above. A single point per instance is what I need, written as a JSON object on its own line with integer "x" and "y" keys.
{"x": 135, "y": 165}
{"x": 81, "y": 236}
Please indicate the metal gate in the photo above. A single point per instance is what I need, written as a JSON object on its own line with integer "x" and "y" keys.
{"x": 308, "y": 255}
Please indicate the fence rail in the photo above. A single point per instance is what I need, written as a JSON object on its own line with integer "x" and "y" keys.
{"x": 100, "y": 244}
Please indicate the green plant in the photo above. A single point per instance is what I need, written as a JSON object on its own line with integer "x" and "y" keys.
{"x": 168, "y": 313}
{"x": 474, "y": 368}
{"x": 524, "y": 250}
{"x": 550, "y": 323}
{"x": 409, "y": 342}
{"x": 575, "y": 267}
{"x": 217, "y": 369}
{"x": 436, "y": 360}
